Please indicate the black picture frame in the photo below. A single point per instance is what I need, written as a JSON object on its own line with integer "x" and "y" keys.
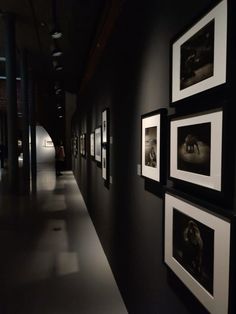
{"x": 105, "y": 125}
{"x": 98, "y": 144}
{"x": 92, "y": 144}
{"x": 200, "y": 57}
{"x": 154, "y": 122}
{"x": 201, "y": 270}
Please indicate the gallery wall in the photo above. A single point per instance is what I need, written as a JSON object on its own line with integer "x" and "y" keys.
{"x": 133, "y": 78}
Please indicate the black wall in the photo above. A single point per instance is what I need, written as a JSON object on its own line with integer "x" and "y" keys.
{"x": 132, "y": 79}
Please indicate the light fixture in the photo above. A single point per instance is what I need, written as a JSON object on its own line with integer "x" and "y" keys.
{"x": 58, "y": 91}
{"x": 56, "y": 34}
{"x": 58, "y": 68}
{"x": 60, "y": 117}
{"x": 59, "y": 107}
{"x": 56, "y": 52}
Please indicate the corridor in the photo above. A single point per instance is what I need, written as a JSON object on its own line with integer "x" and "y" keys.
{"x": 52, "y": 262}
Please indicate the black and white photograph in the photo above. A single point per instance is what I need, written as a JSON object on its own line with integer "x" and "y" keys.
{"x": 98, "y": 142}
{"x": 81, "y": 144}
{"x": 105, "y": 126}
{"x": 199, "y": 55}
{"x": 151, "y": 147}
{"x": 92, "y": 148}
{"x": 193, "y": 248}
{"x": 197, "y": 250}
{"x": 196, "y": 148}
{"x": 104, "y": 163}
{"x": 150, "y": 150}
{"x": 84, "y": 144}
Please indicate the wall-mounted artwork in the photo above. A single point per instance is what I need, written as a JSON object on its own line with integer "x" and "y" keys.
{"x": 48, "y": 143}
{"x": 199, "y": 55}
{"x": 84, "y": 144}
{"x": 104, "y": 163}
{"x": 81, "y": 144}
{"x": 105, "y": 125}
{"x": 197, "y": 250}
{"x": 92, "y": 145}
{"x": 152, "y": 125}
{"x": 98, "y": 142}
{"x": 196, "y": 148}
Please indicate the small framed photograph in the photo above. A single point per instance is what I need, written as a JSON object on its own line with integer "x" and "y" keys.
{"x": 199, "y": 55}
{"x": 196, "y": 148}
{"x": 48, "y": 143}
{"x": 152, "y": 125}
{"x": 197, "y": 250}
{"x": 104, "y": 163}
{"x": 98, "y": 144}
{"x": 83, "y": 144}
{"x": 92, "y": 145}
{"x": 105, "y": 126}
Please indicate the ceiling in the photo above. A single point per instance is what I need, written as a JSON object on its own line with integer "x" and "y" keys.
{"x": 78, "y": 20}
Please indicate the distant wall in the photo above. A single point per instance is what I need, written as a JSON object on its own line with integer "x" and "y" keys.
{"x": 45, "y": 154}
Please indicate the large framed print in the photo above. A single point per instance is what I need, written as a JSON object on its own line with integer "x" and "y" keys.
{"x": 105, "y": 125}
{"x": 197, "y": 250}
{"x": 98, "y": 142}
{"x": 196, "y": 148}
{"x": 199, "y": 55}
{"x": 152, "y": 125}
{"x": 92, "y": 144}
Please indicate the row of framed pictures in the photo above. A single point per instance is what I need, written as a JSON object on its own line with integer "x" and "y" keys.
{"x": 99, "y": 144}
{"x": 196, "y": 143}
{"x": 198, "y": 236}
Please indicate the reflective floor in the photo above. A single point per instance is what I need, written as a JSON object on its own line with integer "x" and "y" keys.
{"x": 51, "y": 259}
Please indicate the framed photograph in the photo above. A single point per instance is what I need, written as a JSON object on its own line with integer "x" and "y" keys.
{"x": 105, "y": 126}
{"x": 152, "y": 125}
{"x": 197, "y": 250}
{"x": 196, "y": 149}
{"x": 98, "y": 143}
{"x": 92, "y": 145}
{"x": 83, "y": 144}
{"x": 48, "y": 143}
{"x": 104, "y": 163}
{"x": 199, "y": 55}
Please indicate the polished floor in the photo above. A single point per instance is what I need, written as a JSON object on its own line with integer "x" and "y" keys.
{"x": 51, "y": 259}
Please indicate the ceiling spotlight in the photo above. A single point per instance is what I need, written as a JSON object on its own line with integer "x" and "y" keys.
{"x": 59, "y": 107}
{"x": 56, "y": 52}
{"x": 58, "y": 91}
{"x": 58, "y": 68}
{"x": 56, "y": 34}
{"x": 60, "y": 117}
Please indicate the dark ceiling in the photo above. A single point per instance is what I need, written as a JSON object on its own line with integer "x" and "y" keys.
{"x": 35, "y": 19}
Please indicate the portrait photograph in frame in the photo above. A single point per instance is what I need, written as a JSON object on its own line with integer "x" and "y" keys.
{"x": 199, "y": 55}
{"x": 152, "y": 130}
{"x": 92, "y": 145}
{"x": 84, "y": 144}
{"x": 98, "y": 143}
{"x": 81, "y": 144}
{"x": 197, "y": 250}
{"x": 105, "y": 125}
{"x": 104, "y": 163}
{"x": 196, "y": 143}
